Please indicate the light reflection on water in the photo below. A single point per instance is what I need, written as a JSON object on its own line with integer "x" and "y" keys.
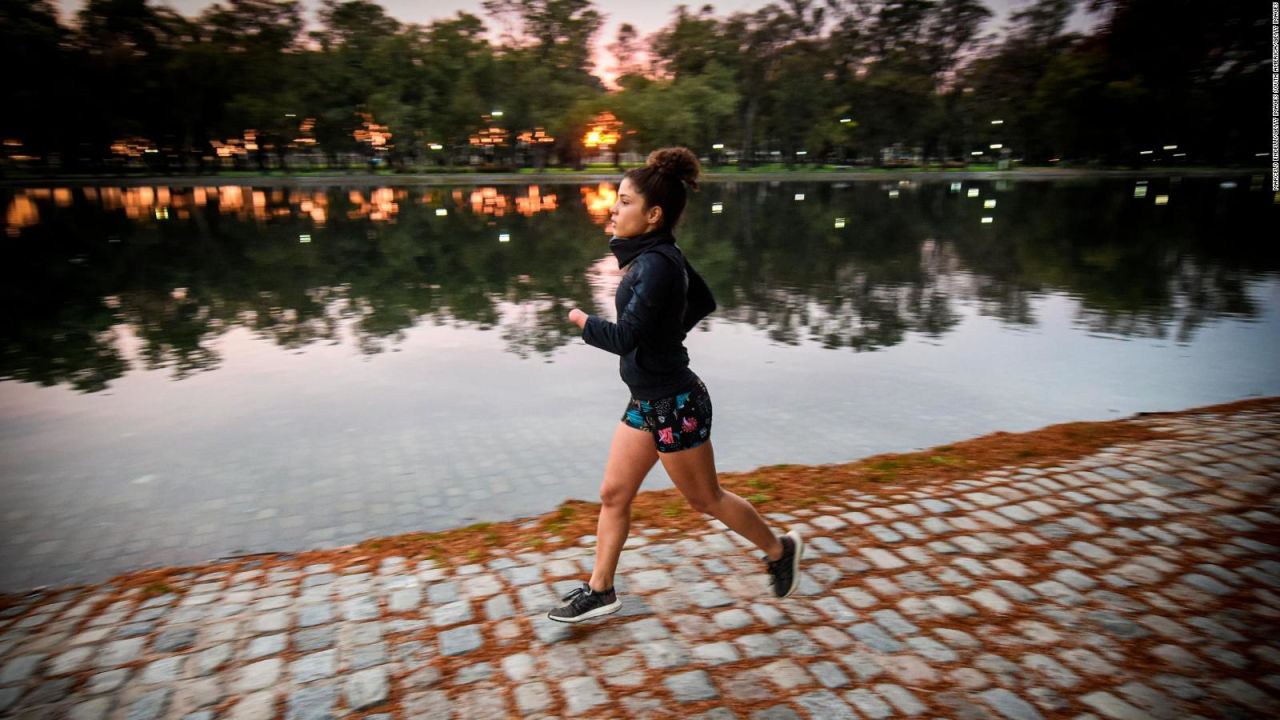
{"x": 858, "y": 266}
{"x": 400, "y": 353}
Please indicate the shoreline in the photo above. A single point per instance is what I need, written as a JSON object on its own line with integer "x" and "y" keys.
{"x": 552, "y": 178}
{"x": 771, "y": 488}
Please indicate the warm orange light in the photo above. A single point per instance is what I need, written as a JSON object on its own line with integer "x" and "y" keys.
{"x": 22, "y": 213}
{"x": 490, "y": 136}
{"x": 488, "y": 201}
{"x": 384, "y": 204}
{"x": 535, "y": 202}
{"x": 375, "y": 135}
{"x": 132, "y": 147}
{"x": 304, "y": 130}
{"x": 230, "y": 198}
{"x": 604, "y": 132}
{"x": 381, "y": 205}
{"x": 144, "y": 203}
{"x": 534, "y": 137}
{"x": 111, "y": 198}
{"x": 598, "y": 200}
{"x": 139, "y": 202}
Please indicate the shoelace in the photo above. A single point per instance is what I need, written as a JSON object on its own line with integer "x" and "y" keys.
{"x": 780, "y": 563}
{"x": 579, "y": 596}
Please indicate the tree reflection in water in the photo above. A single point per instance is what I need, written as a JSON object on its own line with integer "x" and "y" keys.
{"x": 177, "y": 267}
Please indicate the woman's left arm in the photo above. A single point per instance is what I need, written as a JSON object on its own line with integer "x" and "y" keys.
{"x": 654, "y": 278}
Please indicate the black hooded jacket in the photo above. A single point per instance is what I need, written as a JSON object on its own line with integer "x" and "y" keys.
{"x": 660, "y": 298}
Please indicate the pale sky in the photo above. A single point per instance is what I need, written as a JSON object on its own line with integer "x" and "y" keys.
{"x": 646, "y": 16}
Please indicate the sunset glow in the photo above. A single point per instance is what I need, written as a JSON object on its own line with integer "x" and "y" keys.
{"x": 604, "y": 132}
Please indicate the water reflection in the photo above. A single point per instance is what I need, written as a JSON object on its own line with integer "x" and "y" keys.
{"x": 92, "y": 271}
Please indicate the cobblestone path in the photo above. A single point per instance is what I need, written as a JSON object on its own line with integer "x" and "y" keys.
{"x": 1140, "y": 582}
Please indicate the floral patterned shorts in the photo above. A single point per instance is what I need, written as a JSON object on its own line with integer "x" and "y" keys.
{"x": 677, "y": 423}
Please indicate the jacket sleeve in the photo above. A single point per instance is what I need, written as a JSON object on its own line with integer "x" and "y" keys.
{"x": 654, "y": 281}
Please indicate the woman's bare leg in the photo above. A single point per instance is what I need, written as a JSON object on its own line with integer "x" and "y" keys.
{"x": 631, "y": 456}
{"x": 694, "y": 473}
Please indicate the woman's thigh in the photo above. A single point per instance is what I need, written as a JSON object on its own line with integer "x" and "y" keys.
{"x": 693, "y": 472}
{"x": 632, "y": 454}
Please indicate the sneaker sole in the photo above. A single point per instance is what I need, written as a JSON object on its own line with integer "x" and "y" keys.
{"x": 795, "y": 562}
{"x": 609, "y": 609}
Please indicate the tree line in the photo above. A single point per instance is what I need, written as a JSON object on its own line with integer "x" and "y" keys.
{"x": 247, "y": 83}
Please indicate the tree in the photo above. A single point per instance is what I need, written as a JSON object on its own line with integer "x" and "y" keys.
{"x": 257, "y": 42}
{"x": 1196, "y": 67}
{"x": 1156, "y": 73}
{"x": 626, "y": 51}
{"x": 126, "y": 47}
{"x": 560, "y": 32}
{"x": 546, "y": 65}
{"x": 37, "y": 100}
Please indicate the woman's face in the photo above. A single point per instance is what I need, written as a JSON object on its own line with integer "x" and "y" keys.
{"x": 629, "y": 215}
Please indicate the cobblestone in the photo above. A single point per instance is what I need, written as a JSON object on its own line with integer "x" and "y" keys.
{"x": 582, "y": 694}
{"x": 1056, "y": 591}
{"x": 366, "y": 688}
{"x": 1110, "y": 706}
{"x": 1009, "y": 705}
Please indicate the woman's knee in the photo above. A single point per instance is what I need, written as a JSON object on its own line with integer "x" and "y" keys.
{"x": 615, "y": 497}
{"x": 707, "y": 502}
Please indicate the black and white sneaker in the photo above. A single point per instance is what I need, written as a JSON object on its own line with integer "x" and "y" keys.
{"x": 784, "y": 573}
{"x": 585, "y": 603}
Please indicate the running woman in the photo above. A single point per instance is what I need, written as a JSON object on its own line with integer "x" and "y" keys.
{"x": 659, "y": 299}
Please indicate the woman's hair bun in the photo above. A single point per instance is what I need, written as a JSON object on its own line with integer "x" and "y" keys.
{"x": 679, "y": 162}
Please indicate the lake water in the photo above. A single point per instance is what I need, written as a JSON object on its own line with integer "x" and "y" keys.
{"x": 195, "y": 372}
